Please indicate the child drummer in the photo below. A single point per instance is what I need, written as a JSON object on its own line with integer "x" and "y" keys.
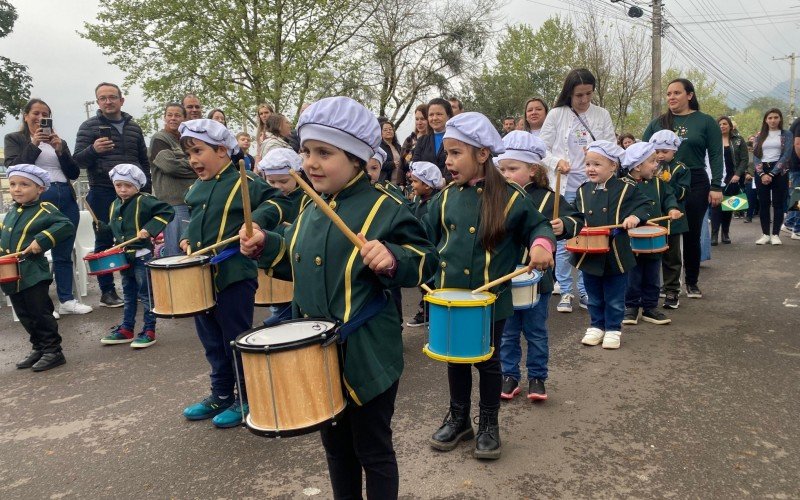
{"x": 333, "y": 279}
{"x": 644, "y": 278}
{"x": 215, "y": 204}
{"x": 135, "y": 214}
{"x": 606, "y": 199}
{"x": 33, "y": 227}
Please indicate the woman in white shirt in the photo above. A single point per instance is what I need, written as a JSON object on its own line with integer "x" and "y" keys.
{"x": 570, "y": 126}
{"x": 771, "y": 154}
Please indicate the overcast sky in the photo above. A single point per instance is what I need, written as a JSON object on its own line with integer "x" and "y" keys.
{"x": 65, "y": 67}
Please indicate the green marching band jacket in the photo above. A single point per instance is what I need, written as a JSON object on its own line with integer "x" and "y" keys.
{"x": 297, "y": 200}
{"x": 662, "y": 200}
{"x": 680, "y": 179}
{"x": 453, "y": 220}
{"x": 603, "y": 206}
{"x": 40, "y": 221}
{"x": 216, "y": 214}
{"x": 331, "y": 280}
{"x": 127, "y": 218}
{"x": 395, "y": 191}
{"x": 544, "y": 199}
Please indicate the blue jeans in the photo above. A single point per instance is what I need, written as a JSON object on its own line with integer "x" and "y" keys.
{"x": 533, "y": 324}
{"x": 100, "y": 199}
{"x": 606, "y": 300}
{"x": 60, "y": 195}
{"x": 563, "y": 266}
{"x": 232, "y": 315}
{"x": 173, "y": 231}
{"x": 644, "y": 283}
{"x": 752, "y": 198}
{"x": 136, "y": 288}
{"x": 793, "y": 218}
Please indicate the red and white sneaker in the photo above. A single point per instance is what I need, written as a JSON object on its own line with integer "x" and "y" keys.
{"x": 536, "y": 390}
{"x": 510, "y": 388}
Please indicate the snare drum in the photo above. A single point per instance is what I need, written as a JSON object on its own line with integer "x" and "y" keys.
{"x": 293, "y": 379}
{"x": 589, "y": 240}
{"x": 272, "y": 291}
{"x": 525, "y": 289}
{"x": 460, "y": 325}
{"x": 106, "y": 262}
{"x": 182, "y": 285}
{"x": 648, "y": 239}
{"x": 9, "y": 269}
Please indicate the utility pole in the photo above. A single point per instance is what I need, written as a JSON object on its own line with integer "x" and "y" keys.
{"x": 655, "y": 64}
{"x": 88, "y": 105}
{"x": 791, "y": 58}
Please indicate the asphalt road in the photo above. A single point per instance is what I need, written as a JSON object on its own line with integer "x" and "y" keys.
{"x": 703, "y": 408}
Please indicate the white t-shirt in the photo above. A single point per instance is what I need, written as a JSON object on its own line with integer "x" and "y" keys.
{"x": 48, "y": 160}
{"x": 577, "y": 140}
{"x": 536, "y": 133}
{"x": 771, "y": 149}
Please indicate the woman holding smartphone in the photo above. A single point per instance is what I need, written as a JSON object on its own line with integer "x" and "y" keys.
{"x": 37, "y": 143}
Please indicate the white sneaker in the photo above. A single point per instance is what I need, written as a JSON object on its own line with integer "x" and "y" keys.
{"x": 593, "y": 336}
{"x": 74, "y": 307}
{"x": 786, "y": 229}
{"x": 775, "y": 240}
{"x": 56, "y": 315}
{"x": 611, "y": 340}
{"x": 565, "y": 304}
{"x": 795, "y": 236}
{"x": 763, "y": 240}
{"x": 556, "y": 288}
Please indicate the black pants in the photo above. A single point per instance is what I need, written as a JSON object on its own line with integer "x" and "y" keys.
{"x": 696, "y": 206}
{"x": 459, "y": 375}
{"x": 720, "y": 219}
{"x": 671, "y": 264}
{"x": 773, "y": 194}
{"x": 362, "y": 439}
{"x": 35, "y": 311}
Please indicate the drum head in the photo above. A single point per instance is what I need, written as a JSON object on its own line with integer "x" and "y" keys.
{"x": 526, "y": 279}
{"x": 456, "y": 297}
{"x": 286, "y": 335}
{"x": 647, "y": 231}
{"x": 178, "y": 261}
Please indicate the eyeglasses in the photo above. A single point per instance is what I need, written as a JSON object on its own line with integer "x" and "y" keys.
{"x": 108, "y": 98}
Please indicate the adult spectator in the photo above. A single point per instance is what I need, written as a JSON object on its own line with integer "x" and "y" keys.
{"x": 568, "y": 128}
{"x": 109, "y": 138}
{"x": 44, "y": 148}
{"x": 172, "y": 174}
{"x": 294, "y": 137}
{"x": 265, "y": 110}
{"x": 749, "y": 187}
{"x": 520, "y": 124}
{"x": 771, "y": 156}
{"x": 701, "y": 136}
{"x": 421, "y": 128}
{"x": 535, "y": 113}
{"x": 792, "y": 223}
{"x": 458, "y": 108}
{"x": 194, "y": 110}
{"x": 736, "y": 159}
{"x": 277, "y": 130}
{"x": 429, "y": 147}
{"x": 218, "y": 115}
{"x": 509, "y": 124}
{"x": 625, "y": 140}
{"x": 394, "y": 168}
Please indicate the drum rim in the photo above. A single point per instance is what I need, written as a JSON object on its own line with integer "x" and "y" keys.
{"x": 451, "y": 359}
{"x": 429, "y": 297}
{"x": 537, "y": 277}
{"x": 661, "y": 231}
{"x": 109, "y": 270}
{"x": 183, "y": 315}
{"x": 652, "y": 250}
{"x": 590, "y": 231}
{"x": 178, "y": 265}
{"x": 300, "y": 431}
{"x": 4, "y": 261}
{"x": 329, "y": 336}
{"x": 587, "y": 250}
{"x": 104, "y": 253}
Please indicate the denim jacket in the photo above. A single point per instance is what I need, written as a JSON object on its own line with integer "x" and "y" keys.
{"x": 787, "y": 144}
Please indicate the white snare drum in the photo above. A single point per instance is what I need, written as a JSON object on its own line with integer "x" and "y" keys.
{"x": 525, "y": 289}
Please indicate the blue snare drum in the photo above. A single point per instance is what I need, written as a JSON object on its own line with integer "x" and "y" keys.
{"x": 648, "y": 239}
{"x": 460, "y": 328}
{"x": 525, "y": 290}
{"x": 106, "y": 262}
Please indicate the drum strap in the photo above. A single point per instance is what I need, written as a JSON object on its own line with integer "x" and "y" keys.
{"x": 225, "y": 254}
{"x": 368, "y": 312}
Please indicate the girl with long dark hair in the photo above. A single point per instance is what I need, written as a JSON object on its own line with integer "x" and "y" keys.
{"x": 771, "y": 154}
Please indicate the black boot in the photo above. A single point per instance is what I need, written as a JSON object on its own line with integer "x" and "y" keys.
{"x": 487, "y": 442}
{"x": 714, "y": 238}
{"x": 726, "y": 239}
{"x": 49, "y": 360}
{"x": 29, "y": 361}
{"x": 455, "y": 428}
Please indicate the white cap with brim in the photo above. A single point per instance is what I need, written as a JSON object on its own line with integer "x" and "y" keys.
{"x": 428, "y": 173}
{"x": 523, "y": 146}
{"x": 666, "y": 139}
{"x": 476, "y": 130}
{"x": 636, "y": 154}
{"x": 343, "y": 123}
{"x": 38, "y": 175}
{"x": 380, "y": 156}
{"x": 608, "y": 149}
{"x": 210, "y": 132}
{"x": 280, "y": 161}
{"x": 128, "y": 172}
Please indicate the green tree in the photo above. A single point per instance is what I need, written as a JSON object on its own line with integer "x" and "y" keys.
{"x": 15, "y": 82}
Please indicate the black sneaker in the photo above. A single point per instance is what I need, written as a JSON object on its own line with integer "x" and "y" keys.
{"x": 748, "y": 219}
{"x": 655, "y": 316}
{"x": 536, "y": 390}
{"x": 49, "y": 360}
{"x": 111, "y": 299}
{"x": 693, "y": 292}
{"x": 510, "y": 388}
{"x": 418, "y": 320}
{"x": 30, "y": 360}
{"x": 631, "y": 316}
{"x": 671, "y": 300}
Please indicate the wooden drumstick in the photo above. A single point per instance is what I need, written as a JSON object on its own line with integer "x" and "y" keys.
{"x": 212, "y": 247}
{"x": 248, "y": 216}
{"x": 91, "y": 212}
{"x": 615, "y": 226}
{"x": 123, "y": 244}
{"x": 502, "y": 279}
{"x": 333, "y": 216}
{"x": 557, "y": 201}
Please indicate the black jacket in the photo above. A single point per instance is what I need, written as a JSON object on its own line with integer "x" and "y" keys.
{"x": 128, "y": 148}
{"x": 388, "y": 167}
{"x": 19, "y": 149}
{"x": 426, "y": 151}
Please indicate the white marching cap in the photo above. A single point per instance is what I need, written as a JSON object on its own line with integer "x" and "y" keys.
{"x": 38, "y": 175}
{"x": 128, "y": 172}
{"x": 608, "y": 149}
{"x": 476, "y": 130}
{"x": 665, "y": 139}
{"x": 523, "y": 146}
{"x": 343, "y": 123}
{"x": 211, "y": 132}
{"x": 428, "y": 173}
{"x": 637, "y": 153}
{"x": 280, "y": 161}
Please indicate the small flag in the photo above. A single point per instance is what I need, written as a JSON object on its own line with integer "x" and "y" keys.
{"x": 734, "y": 203}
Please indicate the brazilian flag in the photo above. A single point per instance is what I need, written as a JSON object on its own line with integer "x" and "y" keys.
{"x": 734, "y": 203}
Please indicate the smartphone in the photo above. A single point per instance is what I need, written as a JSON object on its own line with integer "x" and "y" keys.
{"x": 46, "y": 125}
{"x": 105, "y": 131}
